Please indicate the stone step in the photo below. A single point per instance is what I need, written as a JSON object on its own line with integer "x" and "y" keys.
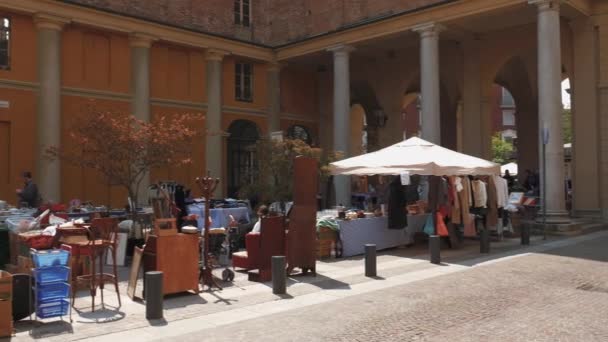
{"x": 570, "y": 229}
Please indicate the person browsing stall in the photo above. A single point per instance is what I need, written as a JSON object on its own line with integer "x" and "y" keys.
{"x": 29, "y": 194}
{"x": 262, "y": 212}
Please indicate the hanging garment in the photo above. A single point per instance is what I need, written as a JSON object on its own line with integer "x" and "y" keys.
{"x": 502, "y": 191}
{"x": 480, "y": 194}
{"x": 423, "y": 188}
{"x": 469, "y": 227}
{"x": 437, "y": 192}
{"x": 442, "y": 230}
{"x": 397, "y": 218}
{"x": 492, "y": 216}
{"x": 456, "y": 214}
{"x": 411, "y": 190}
{"x": 429, "y": 225}
{"x": 465, "y": 204}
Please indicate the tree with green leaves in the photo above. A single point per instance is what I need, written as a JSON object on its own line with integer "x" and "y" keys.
{"x": 501, "y": 150}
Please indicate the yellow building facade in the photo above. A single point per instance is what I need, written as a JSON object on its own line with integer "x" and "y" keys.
{"x": 307, "y": 66}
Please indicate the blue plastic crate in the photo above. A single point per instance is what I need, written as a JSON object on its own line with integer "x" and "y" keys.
{"x": 52, "y": 274}
{"x": 52, "y": 291}
{"x": 53, "y": 308}
{"x": 55, "y": 257}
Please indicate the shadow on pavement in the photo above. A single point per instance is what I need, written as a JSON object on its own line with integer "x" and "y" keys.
{"x": 594, "y": 250}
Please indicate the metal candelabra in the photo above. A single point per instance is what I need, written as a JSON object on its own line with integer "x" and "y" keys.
{"x": 207, "y": 186}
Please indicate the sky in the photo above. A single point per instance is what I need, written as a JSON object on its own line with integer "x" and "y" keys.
{"x": 565, "y": 95}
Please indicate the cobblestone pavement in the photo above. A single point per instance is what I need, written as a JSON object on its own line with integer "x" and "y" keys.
{"x": 355, "y": 307}
{"x": 557, "y": 295}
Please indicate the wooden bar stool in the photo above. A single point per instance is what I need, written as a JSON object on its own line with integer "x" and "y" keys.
{"x": 102, "y": 239}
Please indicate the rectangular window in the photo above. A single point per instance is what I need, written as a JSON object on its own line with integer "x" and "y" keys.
{"x": 242, "y": 13}
{"x": 5, "y": 36}
{"x": 243, "y": 82}
{"x": 508, "y": 117}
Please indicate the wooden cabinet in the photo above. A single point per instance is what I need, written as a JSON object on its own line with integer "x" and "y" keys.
{"x": 177, "y": 256}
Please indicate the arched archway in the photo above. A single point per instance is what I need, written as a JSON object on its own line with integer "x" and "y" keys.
{"x": 241, "y": 155}
{"x": 515, "y": 78}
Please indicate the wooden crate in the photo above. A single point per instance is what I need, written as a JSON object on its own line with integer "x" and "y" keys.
{"x": 325, "y": 242}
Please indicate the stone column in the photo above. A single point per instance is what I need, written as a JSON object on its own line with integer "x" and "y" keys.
{"x": 342, "y": 117}
{"x": 602, "y": 94}
{"x": 550, "y": 106}
{"x": 213, "y": 122}
{"x": 585, "y": 146}
{"x": 48, "y": 173}
{"x": 471, "y": 117}
{"x": 429, "y": 81}
{"x": 140, "y": 90}
{"x": 273, "y": 74}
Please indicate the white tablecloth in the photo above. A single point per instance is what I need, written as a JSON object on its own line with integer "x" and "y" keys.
{"x": 219, "y": 216}
{"x": 355, "y": 234}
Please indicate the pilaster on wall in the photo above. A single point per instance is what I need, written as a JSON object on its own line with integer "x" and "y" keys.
{"x": 471, "y": 116}
{"x": 585, "y": 167}
{"x": 602, "y": 39}
{"x": 486, "y": 123}
{"x": 49, "y": 103}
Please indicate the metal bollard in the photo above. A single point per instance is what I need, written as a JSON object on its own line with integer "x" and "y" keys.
{"x": 370, "y": 260}
{"x": 525, "y": 235}
{"x": 484, "y": 241}
{"x": 279, "y": 275}
{"x": 154, "y": 295}
{"x": 435, "y": 249}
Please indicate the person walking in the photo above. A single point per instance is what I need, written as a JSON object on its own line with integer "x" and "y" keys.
{"x": 510, "y": 179}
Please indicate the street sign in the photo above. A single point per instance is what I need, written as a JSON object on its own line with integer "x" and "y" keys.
{"x": 545, "y": 135}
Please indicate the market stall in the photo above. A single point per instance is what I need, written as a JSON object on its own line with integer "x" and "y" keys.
{"x": 429, "y": 185}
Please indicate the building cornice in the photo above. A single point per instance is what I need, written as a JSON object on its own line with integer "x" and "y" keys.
{"x": 49, "y": 21}
{"x": 143, "y": 40}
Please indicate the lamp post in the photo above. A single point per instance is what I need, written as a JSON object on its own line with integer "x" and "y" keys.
{"x": 207, "y": 186}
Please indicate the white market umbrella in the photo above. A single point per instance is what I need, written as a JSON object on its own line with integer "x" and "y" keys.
{"x": 512, "y": 167}
{"x": 415, "y": 156}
